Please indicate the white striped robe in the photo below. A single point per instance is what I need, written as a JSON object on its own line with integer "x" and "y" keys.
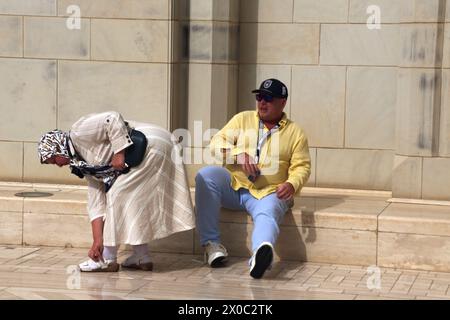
{"x": 153, "y": 200}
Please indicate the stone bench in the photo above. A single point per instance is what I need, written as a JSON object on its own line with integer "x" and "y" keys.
{"x": 325, "y": 225}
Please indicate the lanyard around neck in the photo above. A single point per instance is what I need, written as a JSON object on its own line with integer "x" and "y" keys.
{"x": 264, "y": 138}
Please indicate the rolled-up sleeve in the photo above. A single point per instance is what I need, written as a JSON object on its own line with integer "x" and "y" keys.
{"x": 96, "y": 205}
{"x": 225, "y": 140}
{"x": 117, "y": 132}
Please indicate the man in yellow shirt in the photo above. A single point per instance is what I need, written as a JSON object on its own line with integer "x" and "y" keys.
{"x": 267, "y": 163}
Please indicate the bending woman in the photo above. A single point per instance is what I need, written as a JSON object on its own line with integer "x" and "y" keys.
{"x": 126, "y": 205}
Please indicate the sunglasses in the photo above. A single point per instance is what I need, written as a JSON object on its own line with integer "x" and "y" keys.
{"x": 265, "y": 97}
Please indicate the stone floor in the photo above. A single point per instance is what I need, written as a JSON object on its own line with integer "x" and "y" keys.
{"x": 50, "y": 273}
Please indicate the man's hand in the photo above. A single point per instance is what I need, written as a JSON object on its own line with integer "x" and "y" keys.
{"x": 96, "y": 252}
{"x": 248, "y": 164}
{"x": 118, "y": 160}
{"x": 285, "y": 191}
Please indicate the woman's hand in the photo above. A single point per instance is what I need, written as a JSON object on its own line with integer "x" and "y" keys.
{"x": 118, "y": 161}
{"x": 96, "y": 251}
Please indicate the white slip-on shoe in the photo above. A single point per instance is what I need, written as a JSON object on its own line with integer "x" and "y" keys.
{"x": 140, "y": 263}
{"x": 215, "y": 254}
{"x": 100, "y": 266}
{"x": 261, "y": 260}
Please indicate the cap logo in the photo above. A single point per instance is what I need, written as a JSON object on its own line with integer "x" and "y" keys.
{"x": 267, "y": 84}
{"x": 283, "y": 91}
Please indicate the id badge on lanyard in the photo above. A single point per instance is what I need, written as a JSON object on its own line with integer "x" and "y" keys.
{"x": 263, "y": 139}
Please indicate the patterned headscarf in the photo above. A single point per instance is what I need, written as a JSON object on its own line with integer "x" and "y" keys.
{"x": 53, "y": 143}
{"x": 56, "y": 143}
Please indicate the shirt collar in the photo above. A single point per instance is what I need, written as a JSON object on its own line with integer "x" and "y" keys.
{"x": 284, "y": 119}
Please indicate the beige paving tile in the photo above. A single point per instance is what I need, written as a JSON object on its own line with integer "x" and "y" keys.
{"x": 186, "y": 277}
{"x": 438, "y": 296}
{"x": 397, "y": 296}
{"x": 422, "y": 284}
{"x": 431, "y": 298}
{"x": 418, "y": 292}
{"x": 361, "y": 291}
{"x": 326, "y": 290}
{"x": 437, "y": 274}
{"x": 368, "y": 297}
{"x": 401, "y": 288}
{"x": 4, "y": 295}
{"x": 439, "y": 286}
{"x": 405, "y": 278}
{"x": 11, "y": 252}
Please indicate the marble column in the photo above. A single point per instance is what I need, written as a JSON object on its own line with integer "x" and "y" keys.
{"x": 421, "y": 135}
{"x": 205, "y": 72}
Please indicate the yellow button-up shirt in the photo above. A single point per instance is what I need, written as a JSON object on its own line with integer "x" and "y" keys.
{"x": 284, "y": 156}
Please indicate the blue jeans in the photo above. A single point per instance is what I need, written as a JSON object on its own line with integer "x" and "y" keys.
{"x": 213, "y": 191}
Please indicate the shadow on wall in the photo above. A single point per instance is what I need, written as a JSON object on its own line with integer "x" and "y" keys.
{"x": 246, "y": 100}
{"x": 299, "y": 230}
{"x": 180, "y": 66}
{"x": 440, "y": 41}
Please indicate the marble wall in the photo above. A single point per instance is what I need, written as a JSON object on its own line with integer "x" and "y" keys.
{"x": 375, "y": 103}
{"x": 51, "y": 75}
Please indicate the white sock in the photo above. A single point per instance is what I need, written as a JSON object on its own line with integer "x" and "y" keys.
{"x": 141, "y": 250}
{"x": 110, "y": 253}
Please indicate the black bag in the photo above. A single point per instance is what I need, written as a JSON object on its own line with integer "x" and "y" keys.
{"x": 135, "y": 153}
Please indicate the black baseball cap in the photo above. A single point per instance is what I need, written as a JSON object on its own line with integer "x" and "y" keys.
{"x": 273, "y": 87}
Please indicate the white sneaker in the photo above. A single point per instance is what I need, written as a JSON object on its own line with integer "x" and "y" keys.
{"x": 215, "y": 254}
{"x": 261, "y": 260}
{"x": 100, "y": 266}
{"x": 141, "y": 263}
